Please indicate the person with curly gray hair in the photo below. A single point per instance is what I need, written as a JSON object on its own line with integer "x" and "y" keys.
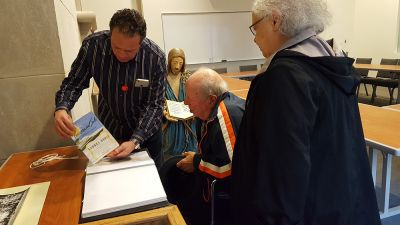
{"x": 300, "y": 154}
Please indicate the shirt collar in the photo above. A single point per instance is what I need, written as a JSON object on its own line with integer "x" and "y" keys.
{"x": 303, "y": 35}
{"x": 214, "y": 111}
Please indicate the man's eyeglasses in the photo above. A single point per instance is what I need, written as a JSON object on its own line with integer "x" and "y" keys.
{"x": 251, "y": 27}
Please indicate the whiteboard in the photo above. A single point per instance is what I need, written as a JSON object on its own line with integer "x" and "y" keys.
{"x": 210, "y": 37}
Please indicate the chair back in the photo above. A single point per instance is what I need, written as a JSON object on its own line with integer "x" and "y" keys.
{"x": 363, "y": 72}
{"x": 397, "y": 74}
{"x": 221, "y": 70}
{"x": 247, "y": 68}
{"x": 387, "y": 74}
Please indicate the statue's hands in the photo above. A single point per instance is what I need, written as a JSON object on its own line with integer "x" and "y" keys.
{"x": 168, "y": 117}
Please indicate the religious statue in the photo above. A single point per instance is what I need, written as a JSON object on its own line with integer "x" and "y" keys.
{"x": 178, "y": 135}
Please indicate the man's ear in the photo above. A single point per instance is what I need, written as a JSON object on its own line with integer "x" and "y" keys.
{"x": 276, "y": 20}
{"x": 213, "y": 99}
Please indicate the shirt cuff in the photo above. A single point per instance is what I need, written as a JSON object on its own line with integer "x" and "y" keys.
{"x": 62, "y": 108}
{"x": 138, "y": 138}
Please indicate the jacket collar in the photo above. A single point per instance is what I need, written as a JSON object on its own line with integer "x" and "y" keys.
{"x": 214, "y": 111}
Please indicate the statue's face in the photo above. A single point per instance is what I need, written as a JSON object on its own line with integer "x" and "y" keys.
{"x": 176, "y": 65}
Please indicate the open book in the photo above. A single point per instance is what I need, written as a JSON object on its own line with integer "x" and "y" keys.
{"x": 22, "y": 204}
{"x": 178, "y": 110}
{"x": 117, "y": 187}
{"x": 93, "y": 138}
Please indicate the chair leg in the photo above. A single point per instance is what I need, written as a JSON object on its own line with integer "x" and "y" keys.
{"x": 391, "y": 90}
{"x": 373, "y": 95}
{"x": 358, "y": 89}
{"x": 366, "y": 90}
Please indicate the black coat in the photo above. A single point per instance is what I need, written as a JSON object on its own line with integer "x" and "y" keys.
{"x": 300, "y": 155}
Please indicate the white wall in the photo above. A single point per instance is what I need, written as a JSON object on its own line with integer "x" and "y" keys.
{"x": 70, "y": 42}
{"x": 375, "y": 29}
{"x": 105, "y": 9}
{"x": 364, "y": 28}
{"x": 152, "y": 10}
{"x": 341, "y": 23}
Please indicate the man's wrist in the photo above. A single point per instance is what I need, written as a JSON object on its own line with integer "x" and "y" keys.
{"x": 136, "y": 143}
{"x": 62, "y": 108}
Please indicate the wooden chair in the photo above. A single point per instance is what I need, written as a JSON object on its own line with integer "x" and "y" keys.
{"x": 247, "y": 68}
{"x": 221, "y": 70}
{"x": 363, "y": 73}
{"x": 386, "y": 79}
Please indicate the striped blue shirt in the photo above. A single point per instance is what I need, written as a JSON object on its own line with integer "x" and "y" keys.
{"x": 127, "y": 114}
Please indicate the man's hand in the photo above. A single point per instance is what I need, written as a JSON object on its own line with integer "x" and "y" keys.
{"x": 63, "y": 123}
{"x": 123, "y": 150}
{"x": 186, "y": 164}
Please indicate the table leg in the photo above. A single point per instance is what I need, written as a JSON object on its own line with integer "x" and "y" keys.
{"x": 373, "y": 155}
{"x": 398, "y": 92}
{"x": 385, "y": 191}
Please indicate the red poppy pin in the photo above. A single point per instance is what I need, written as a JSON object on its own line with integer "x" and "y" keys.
{"x": 124, "y": 88}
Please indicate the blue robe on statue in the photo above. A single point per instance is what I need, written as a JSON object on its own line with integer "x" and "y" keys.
{"x": 177, "y": 137}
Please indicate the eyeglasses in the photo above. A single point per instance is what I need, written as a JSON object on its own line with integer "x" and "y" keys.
{"x": 251, "y": 27}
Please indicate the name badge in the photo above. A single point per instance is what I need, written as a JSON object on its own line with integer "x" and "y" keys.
{"x": 141, "y": 83}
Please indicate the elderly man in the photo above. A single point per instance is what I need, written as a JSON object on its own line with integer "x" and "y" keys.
{"x": 219, "y": 113}
{"x": 300, "y": 154}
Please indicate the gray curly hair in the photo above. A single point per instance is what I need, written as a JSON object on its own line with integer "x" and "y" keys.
{"x": 297, "y": 15}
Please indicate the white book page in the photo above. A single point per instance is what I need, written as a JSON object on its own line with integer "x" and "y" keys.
{"x": 122, "y": 189}
{"x": 178, "y": 110}
{"x": 136, "y": 159}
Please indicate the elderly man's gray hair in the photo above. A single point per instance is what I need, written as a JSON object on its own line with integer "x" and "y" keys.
{"x": 210, "y": 82}
{"x": 297, "y": 15}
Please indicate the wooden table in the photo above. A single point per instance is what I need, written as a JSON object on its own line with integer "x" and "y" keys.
{"x": 240, "y": 74}
{"x": 241, "y": 93}
{"x": 64, "y": 197}
{"x": 168, "y": 215}
{"x": 236, "y": 84}
{"x": 376, "y": 67}
{"x": 393, "y": 107}
{"x": 381, "y": 128}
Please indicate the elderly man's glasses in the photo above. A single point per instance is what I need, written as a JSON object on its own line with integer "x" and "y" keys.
{"x": 253, "y": 31}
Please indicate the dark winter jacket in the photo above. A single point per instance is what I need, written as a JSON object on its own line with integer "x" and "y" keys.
{"x": 300, "y": 155}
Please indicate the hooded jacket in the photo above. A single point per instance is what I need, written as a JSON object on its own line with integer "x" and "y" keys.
{"x": 300, "y": 154}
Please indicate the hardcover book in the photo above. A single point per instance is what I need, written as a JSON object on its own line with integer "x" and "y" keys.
{"x": 123, "y": 186}
{"x": 93, "y": 138}
{"x": 178, "y": 110}
{"x": 22, "y": 204}
{"x": 10, "y": 205}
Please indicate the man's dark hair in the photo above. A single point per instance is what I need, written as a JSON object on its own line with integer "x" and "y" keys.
{"x": 129, "y": 22}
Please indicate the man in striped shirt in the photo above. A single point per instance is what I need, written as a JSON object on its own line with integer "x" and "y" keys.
{"x": 220, "y": 113}
{"x": 130, "y": 71}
